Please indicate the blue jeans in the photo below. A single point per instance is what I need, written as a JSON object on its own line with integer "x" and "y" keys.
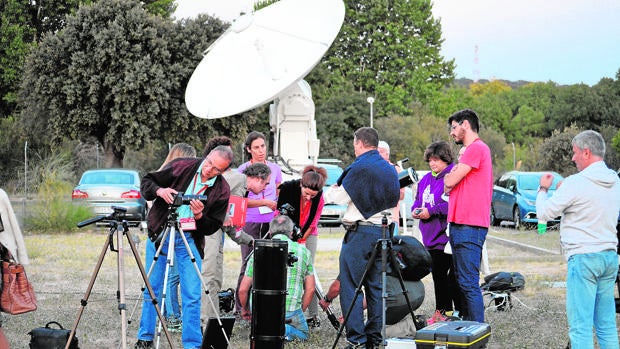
{"x": 354, "y": 255}
{"x": 298, "y": 328}
{"x": 172, "y": 294}
{"x": 467, "y": 244}
{"x": 590, "y": 299}
{"x": 191, "y": 290}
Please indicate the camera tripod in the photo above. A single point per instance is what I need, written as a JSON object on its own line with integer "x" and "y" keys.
{"x": 169, "y": 234}
{"x": 387, "y": 253}
{"x": 119, "y": 227}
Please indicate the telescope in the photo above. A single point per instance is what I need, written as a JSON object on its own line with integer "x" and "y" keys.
{"x": 407, "y": 177}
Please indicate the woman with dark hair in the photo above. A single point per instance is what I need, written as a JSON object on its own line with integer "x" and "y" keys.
{"x": 261, "y": 206}
{"x": 432, "y": 210}
{"x": 305, "y": 195}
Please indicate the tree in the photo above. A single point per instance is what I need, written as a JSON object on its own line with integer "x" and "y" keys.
{"x": 559, "y": 151}
{"x": 118, "y": 74}
{"x": 391, "y": 49}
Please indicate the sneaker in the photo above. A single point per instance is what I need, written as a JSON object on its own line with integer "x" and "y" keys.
{"x": 355, "y": 346}
{"x": 142, "y": 344}
{"x": 313, "y": 322}
{"x": 174, "y": 324}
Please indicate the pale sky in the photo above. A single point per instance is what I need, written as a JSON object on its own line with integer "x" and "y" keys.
{"x": 566, "y": 41}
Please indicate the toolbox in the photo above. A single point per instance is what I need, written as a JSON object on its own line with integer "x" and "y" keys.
{"x": 453, "y": 334}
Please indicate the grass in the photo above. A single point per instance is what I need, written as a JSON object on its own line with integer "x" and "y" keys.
{"x": 61, "y": 266}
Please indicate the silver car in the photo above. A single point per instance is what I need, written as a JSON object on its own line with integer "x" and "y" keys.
{"x": 101, "y": 189}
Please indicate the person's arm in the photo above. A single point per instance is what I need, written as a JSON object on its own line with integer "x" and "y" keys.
{"x": 332, "y": 292}
{"x": 309, "y": 285}
{"x": 455, "y": 176}
{"x": 317, "y": 216}
{"x": 338, "y": 195}
{"x": 244, "y": 293}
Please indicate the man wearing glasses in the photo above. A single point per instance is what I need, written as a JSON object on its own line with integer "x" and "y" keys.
{"x": 470, "y": 186}
{"x": 191, "y": 176}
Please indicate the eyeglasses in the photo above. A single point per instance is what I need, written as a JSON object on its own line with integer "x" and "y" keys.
{"x": 453, "y": 127}
{"x": 210, "y": 164}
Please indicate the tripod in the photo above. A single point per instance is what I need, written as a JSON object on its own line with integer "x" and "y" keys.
{"x": 387, "y": 253}
{"x": 119, "y": 226}
{"x": 171, "y": 229}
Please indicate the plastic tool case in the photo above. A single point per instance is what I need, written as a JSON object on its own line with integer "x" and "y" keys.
{"x": 453, "y": 334}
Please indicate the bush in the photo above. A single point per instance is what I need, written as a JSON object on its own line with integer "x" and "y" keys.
{"x": 53, "y": 211}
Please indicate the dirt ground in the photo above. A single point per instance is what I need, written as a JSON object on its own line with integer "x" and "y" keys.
{"x": 62, "y": 266}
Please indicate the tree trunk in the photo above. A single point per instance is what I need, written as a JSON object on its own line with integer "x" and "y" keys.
{"x": 113, "y": 158}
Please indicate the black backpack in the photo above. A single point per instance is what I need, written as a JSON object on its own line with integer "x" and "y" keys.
{"x": 503, "y": 281}
{"x": 413, "y": 258}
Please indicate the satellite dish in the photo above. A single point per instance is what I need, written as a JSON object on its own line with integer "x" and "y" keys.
{"x": 262, "y": 54}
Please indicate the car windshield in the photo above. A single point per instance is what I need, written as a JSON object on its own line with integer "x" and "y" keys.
{"x": 531, "y": 182}
{"x": 107, "y": 178}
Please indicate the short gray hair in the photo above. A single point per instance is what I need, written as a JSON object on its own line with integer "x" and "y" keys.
{"x": 281, "y": 224}
{"x": 590, "y": 140}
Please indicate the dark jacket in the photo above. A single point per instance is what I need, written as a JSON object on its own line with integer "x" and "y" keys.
{"x": 177, "y": 175}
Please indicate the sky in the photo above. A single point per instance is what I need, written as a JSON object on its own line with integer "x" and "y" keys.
{"x": 565, "y": 41}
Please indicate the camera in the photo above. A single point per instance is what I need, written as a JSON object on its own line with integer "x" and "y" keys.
{"x": 227, "y": 300}
{"x": 289, "y": 210}
{"x": 181, "y": 199}
{"x": 417, "y": 211}
{"x": 291, "y": 259}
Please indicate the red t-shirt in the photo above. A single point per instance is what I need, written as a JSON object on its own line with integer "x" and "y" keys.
{"x": 470, "y": 199}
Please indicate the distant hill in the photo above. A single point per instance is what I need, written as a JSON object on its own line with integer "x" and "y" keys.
{"x": 513, "y": 84}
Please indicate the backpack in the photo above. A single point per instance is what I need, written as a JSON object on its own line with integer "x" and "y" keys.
{"x": 413, "y": 258}
{"x": 503, "y": 281}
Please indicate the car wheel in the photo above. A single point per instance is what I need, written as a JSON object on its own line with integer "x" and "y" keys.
{"x": 516, "y": 217}
{"x": 494, "y": 220}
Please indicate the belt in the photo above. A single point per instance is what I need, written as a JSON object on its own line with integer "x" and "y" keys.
{"x": 353, "y": 226}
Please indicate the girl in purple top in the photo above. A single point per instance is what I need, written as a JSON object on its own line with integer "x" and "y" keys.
{"x": 432, "y": 211}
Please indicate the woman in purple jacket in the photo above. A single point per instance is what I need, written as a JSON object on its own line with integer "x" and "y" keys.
{"x": 432, "y": 210}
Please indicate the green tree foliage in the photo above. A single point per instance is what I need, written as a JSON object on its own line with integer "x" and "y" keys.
{"x": 118, "y": 74}
{"x": 391, "y": 49}
{"x": 557, "y": 151}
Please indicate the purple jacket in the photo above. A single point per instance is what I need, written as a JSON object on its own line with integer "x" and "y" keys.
{"x": 428, "y": 195}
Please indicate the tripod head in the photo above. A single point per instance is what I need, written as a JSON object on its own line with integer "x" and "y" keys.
{"x": 117, "y": 216}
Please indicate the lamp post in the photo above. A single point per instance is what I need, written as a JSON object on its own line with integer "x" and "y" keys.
{"x": 370, "y": 100}
{"x": 514, "y": 157}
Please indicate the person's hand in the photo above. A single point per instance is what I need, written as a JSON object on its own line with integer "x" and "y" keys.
{"x": 246, "y": 314}
{"x": 324, "y": 304}
{"x": 271, "y": 204}
{"x": 546, "y": 180}
{"x": 167, "y": 194}
{"x": 197, "y": 206}
{"x": 227, "y": 222}
{"x": 422, "y": 213}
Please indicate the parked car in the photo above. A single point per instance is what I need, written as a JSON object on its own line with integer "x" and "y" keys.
{"x": 332, "y": 213}
{"x": 514, "y": 197}
{"x": 101, "y": 189}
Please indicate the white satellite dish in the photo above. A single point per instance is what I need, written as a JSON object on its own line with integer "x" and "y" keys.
{"x": 262, "y": 54}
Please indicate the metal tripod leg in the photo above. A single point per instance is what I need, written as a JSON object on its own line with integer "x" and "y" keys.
{"x": 204, "y": 285}
{"x": 120, "y": 230}
{"x": 385, "y": 245}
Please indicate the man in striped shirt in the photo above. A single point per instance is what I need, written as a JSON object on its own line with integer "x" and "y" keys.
{"x": 299, "y": 281}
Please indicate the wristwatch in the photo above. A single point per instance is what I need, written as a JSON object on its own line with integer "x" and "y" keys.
{"x": 327, "y": 299}
{"x": 545, "y": 189}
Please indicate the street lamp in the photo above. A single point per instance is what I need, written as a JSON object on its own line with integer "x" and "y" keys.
{"x": 370, "y": 100}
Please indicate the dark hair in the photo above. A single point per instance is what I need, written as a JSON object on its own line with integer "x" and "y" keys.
{"x": 313, "y": 177}
{"x": 466, "y": 114}
{"x": 257, "y": 169}
{"x": 368, "y": 136}
{"x": 252, "y": 136}
{"x": 214, "y": 142}
{"x": 439, "y": 150}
